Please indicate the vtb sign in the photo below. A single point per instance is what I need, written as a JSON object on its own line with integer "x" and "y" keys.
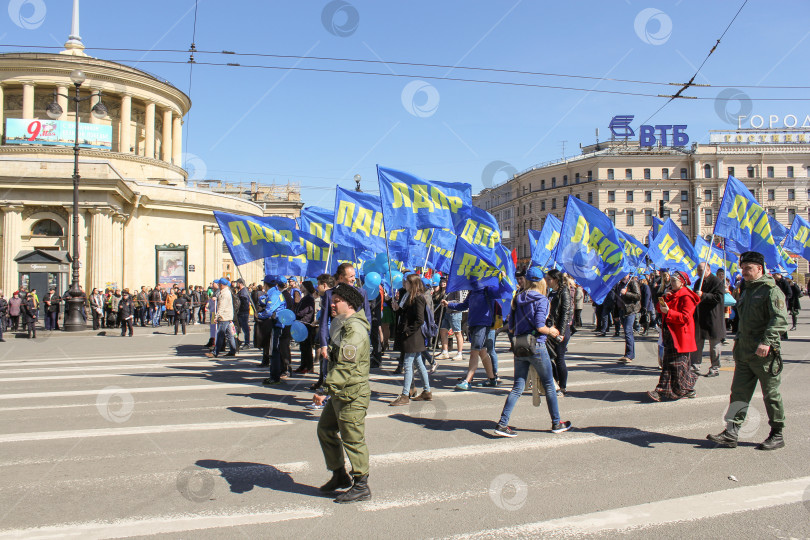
{"x": 667, "y": 134}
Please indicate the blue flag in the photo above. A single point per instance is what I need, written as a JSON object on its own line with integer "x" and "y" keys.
{"x": 543, "y": 243}
{"x": 410, "y": 202}
{"x": 778, "y": 230}
{"x": 441, "y": 254}
{"x": 250, "y": 238}
{"x": 733, "y": 246}
{"x": 634, "y": 251}
{"x": 656, "y": 226}
{"x": 589, "y": 249}
{"x": 358, "y": 221}
{"x": 798, "y": 237}
{"x": 318, "y": 221}
{"x": 672, "y": 250}
{"x": 786, "y": 263}
{"x": 711, "y": 254}
{"x": 481, "y": 229}
{"x": 310, "y": 263}
{"x": 474, "y": 268}
{"x": 743, "y": 220}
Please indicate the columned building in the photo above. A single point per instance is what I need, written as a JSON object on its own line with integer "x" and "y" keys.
{"x": 140, "y": 221}
{"x": 629, "y": 182}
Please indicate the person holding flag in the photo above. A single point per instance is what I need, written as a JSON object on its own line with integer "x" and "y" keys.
{"x": 677, "y": 307}
{"x": 762, "y": 319}
{"x": 269, "y": 333}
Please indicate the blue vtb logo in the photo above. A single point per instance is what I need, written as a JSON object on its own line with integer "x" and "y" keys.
{"x": 620, "y": 126}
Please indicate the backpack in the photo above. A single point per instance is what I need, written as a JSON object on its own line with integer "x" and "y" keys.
{"x": 236, "y": 303}
{"x": 429, "y": 327}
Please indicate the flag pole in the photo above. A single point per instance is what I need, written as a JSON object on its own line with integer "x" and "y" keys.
{"x": 328, "y": 257}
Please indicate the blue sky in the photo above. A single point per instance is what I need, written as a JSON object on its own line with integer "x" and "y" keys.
{"x": 323, "y": 128}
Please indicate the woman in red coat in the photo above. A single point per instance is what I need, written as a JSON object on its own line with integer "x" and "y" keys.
{"x": 677, "y": 308}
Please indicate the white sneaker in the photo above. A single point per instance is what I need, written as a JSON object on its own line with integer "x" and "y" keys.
{"x": 432, "y": 368}
{"x": 457, "y": 357}
{"x": 444, "y": 356}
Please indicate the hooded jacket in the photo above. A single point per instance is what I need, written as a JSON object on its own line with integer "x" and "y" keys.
{"x": 481, "y": 305}
{"x": 680, "y": 320}
{"x": 349, "y": 362}
{"x": 762, "y": 317}
{"x": 529, "y": 313}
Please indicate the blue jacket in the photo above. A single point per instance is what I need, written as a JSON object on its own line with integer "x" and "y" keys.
{"x": 530, "y": 313}
{"x": 326, "y": 315}
{"x": 481, "y": 306}
{"x": 270, "y": 304}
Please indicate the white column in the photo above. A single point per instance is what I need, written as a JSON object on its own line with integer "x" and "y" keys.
{"x": 12, "y": 244}
{"x": 117, "y": 251}
{"x": 94, "y": 99}
{"x": 166, "y": 144}
{"x": 177, "y": 141}
{"x": 217, "y": 253}
{"x": 83, "y": 239}
{"x": 28, "y": 100}
{"x": 99, "y": 262}
{"x": 150, "y": 130}
{"x": 62, "y": 100}
{"x": 126, "y": 125}
{"x": 2, "y": 109}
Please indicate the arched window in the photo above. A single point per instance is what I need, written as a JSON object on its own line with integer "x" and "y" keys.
{"x": 46, "y": 227}
{"x": 707, "y": 171}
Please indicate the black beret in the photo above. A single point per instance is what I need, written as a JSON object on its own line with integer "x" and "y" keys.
{"x": 753, "y": 257}
{"x": 348, "y": 293}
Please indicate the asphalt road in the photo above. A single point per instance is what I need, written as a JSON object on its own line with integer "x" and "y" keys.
{"x": 103, "y": 436}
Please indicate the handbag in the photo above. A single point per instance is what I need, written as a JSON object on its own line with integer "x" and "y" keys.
{"x": 525, "y": 344}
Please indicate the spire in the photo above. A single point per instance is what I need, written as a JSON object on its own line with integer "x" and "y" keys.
{"x": 74, "y": 45}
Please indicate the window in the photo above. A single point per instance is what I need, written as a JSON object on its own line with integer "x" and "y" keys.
{"x": 708, "y": 216}
{"x": 666, "y": 214}
{"x": 791, "y": 215}
{"x": 629, "y": 196}
{"x": 753, "y": 193}
{"x": 648, "y": 215}
{"x": 611, "y": 196}
{"x": 524, "y": 209}
{"x": 665, "y": 196}
{"x": 530, "y": 187}
{"x": 553, "y": 204}
{"x": 576, "y": 178}
{"x": 612, "y": 215}
{"x": 590, "y": 196}
{"x": 731, "y": 171}
{"x": 524, "y": 190}
{"x": 578, "y": 197}
{"x": 530, "y": 208}
{"x": 631, "y": 218}
{"x": 772, "y": 212}
{"x": 565, "y": 202}
{"x": 808, "y": 194}
{"x": 791, "y": 194}
{"x": 590, "y": 176}
{"x": 553, "y": 181}
{"x": 707, "y": 171}
{"x": 684, "y": 217}
{"x": 647, "y": 174}
{"x": 46, "y": 227}
{"x": 542, "y": 184}
{"x": 683, "y": 174}
{"x": 707, "y": 195}
{"x": 610, "y": 174}
{"x": 684, "y": 195}
{"x": 542, "y": 206}
{"x": 628, "y": 174}
{"x": 790, "y": 172}
{"x": 771, "y": 194}
{"x": 750, "y": 171}
{"x": 565, "y": 179}
{"x": 648, "y": 196}
{"x": 770, "y": 172}
{"x": 665, "y": 174}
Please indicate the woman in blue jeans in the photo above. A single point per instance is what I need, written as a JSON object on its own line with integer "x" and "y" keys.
{"x": 530, "y": 310}
{"x": 412, "y": 314}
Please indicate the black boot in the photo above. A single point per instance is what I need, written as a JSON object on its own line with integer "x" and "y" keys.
{"x": 773, "y": 441}
{"x": 727, "y": 438}
{"x": 359, "y": 491}
{"x": 340, "y": 480}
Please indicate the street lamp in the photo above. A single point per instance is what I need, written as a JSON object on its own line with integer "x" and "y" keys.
{"x": 357, "y": 179}
{"x": 73, "y": 318}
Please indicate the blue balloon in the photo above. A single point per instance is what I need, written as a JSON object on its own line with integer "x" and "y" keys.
{"x": 382, "y": 260}
{"x": 299, "y": 331}
{"x": 285, "y": 317}
{"x": 373, "y": 280}
{"x": 372, "y": 293}
{"x": 396, "y": 278}
{"x": 369, "y": 266}
{"x": 436, "y": 280}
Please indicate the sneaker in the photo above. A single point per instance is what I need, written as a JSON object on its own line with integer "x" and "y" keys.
{"x": 269, "y": 381}
{"x": 444, "y": 356}
{"x": 625, "y": 360}
{"x": 487, "y": 383}
{"x": 560, "y": 427}
{"x": 433, "y": 366}
{"x": 560, "y": 393}
{"x": 457, "y": 358}
{"x": 463, "y": 385}
{"x": 690, "y": 394}
{"x": 696, "y": 369}
{"x": 713, "y": 372}
{"x": 504, "y": 431}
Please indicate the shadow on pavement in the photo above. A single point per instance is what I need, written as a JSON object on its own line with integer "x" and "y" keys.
{"x": 479, "y": 427}
{"x": 243, "y": 476}
{"x": 646, "y": 439}
{"x": 609, "y": 395}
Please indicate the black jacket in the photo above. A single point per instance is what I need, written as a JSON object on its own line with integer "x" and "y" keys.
{"x": 181, "y": 305}
{"x": 413, "y": 315}
{"x": 710, "y": 312}
{"x": 561, "y": 312}
{"x": 126, "y": 308}
{"x": 29, "y": 309}
{"x": 630, "y": 301}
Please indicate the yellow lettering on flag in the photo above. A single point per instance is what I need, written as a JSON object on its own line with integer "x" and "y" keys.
{"x": 466, "y": 265}
{"x": 239, "y": 232}
{"x": 345, "y": 213}
{"x": 402, "y": 195}
{"x": 421, "y": 199}
{"x": 555, "y": 236}
{"x": 256, "y": 232}
{"x": 363, "y": 221}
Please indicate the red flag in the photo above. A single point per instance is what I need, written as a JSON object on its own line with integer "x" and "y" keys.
{"x": 514, "y": 257}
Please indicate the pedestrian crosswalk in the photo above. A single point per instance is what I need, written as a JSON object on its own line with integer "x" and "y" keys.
{"x": 124, "y": 445}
